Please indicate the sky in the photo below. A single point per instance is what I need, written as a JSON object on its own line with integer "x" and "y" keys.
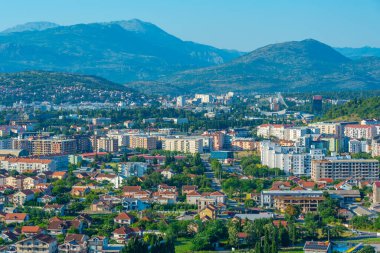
{"x": 232, "y": 24}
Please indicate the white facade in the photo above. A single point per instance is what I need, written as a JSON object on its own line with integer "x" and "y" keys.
{"x": 293, "y": 160}
{"x": 183, "y": 144}
{"x": 360, "y": 131}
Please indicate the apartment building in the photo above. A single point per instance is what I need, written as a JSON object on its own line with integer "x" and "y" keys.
{"x": 183, "y": 144}
{"x": 276, "y": 198}
{"x": 104, "y": 144}
{"x": 217, "y": 139}
{"x": 271, "y": 130}
{"x": 143, "y": 141}
{"x": 360, "y": 131}
{"x": 42, "y": 146}
{"x": 239, "y": 144}
{"x": 22, "y": 165}
{"x": 306, "y": 204}
{"x": 292, "y": 160}
{"x": 329, "y": 128}
{"x": 359, "y": 169}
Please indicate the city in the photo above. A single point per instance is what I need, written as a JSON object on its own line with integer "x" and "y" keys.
{"x": 119, "y": 137}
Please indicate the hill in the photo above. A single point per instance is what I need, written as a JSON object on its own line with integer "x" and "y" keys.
{"x": 357, "y": 53}
{"x": 37, "y": 86}
{"x": 356, "y": 109}
{"x": 120, "y": 51}
{"x": 31, "y": 26}
{"x": 307, "y": 65}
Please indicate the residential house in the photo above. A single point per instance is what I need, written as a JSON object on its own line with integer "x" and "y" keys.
{"x": 124, "y": 219}
{"x": 40, "y": 243}
{"x": 31, "y": 230}
{"x": 189, "y": 188}
{"x": 208, "y": 213}
{"x": 19, "y": 198}
{"x": 317, "y": 247}
{"x": 80, "y": 191}
{"x": 16, "y": 218}
{"x": 74, "y": 243}
{"x": 129, "y": 191}
{"x": 59, "y": 175}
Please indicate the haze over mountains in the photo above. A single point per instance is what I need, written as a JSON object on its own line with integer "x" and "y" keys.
{"x": 146, "y": 58}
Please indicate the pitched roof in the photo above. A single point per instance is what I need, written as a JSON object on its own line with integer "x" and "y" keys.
{"x": 30, "y": 229}
{"x": 123, "y": 216}
{"x": 16, "y": 216}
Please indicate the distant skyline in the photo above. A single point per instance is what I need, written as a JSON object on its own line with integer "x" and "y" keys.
{"x": 232, "y": 24}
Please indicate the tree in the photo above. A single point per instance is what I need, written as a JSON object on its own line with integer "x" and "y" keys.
{"x": 258, "y": 248}
{"x": 367, "y": 249}
{"x": 135, "y": 245}
{"x": 292, "y": 212}
{"x": 233, "y": 240}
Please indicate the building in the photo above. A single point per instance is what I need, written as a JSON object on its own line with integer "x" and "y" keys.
{"x": 360, "y": 131}
{"x": 180, "y": 101}
{"x": 358, "y": 169}
{"x": 143, "y": 141}
{"x": 317, "y": 247}
{"x": 357, "y": 146}
{"x": 375, "y": 146}
{"x": 183, "y": 144}
{"x": 130, "y": 169}
{"x": 39, "y": 243}
{"x": 307, "y": 204}
{"x": 22, "y": 165}
{"x": 101, "y": 121}
{"x": 330, "y": 128}
{"x": 45, "y": 146}
{"x": 376, "y": 192}
{"x": 317, "y": 104}
{"x": 271, "y": 130}
{"x": 292, "y": 160}
{"x": 269, "y": 198}
{"x": 239, "y": 144}
{"x": 104, "y": 144}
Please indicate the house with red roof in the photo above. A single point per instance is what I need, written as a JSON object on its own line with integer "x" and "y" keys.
{"x": 124, "y": 219}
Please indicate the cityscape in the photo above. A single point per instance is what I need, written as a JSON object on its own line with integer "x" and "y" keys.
{"x": 116, "y": 136}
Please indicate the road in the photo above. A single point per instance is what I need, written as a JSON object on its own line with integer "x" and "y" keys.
{"x": 215, "y": 183}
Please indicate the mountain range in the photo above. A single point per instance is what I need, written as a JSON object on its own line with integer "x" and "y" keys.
{"x": 120, "y": 51}
{"x": 142, "y": 56}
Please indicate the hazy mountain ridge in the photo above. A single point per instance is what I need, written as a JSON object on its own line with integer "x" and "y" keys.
{"x": 307, "y": 65}
{"x": 119, "y": 51}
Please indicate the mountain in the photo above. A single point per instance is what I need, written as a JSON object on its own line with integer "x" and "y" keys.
{"x": 120, "y": 51}
{"x": 38, "y": 86}
{"x": 307, "y": 65}
{"x": 31, "y": 26}
{"x": 356, "y": 53}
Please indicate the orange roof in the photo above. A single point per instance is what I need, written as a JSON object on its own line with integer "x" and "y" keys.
{"x": 30, "y": 229}
{"x": 123, "y": 216}
{"x": 59, "y": 173}
{"x": 15, "y": 216}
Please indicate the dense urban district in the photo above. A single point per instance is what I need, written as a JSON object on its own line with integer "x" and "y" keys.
{"x": 117, "y": 171}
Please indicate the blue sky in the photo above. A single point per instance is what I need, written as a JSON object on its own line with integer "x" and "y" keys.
{"x": 234, "y": 24}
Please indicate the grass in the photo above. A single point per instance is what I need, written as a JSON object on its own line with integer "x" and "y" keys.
{"x": 183, "y": 245}
{"x": 291, "y": 250}
{"x": 367, "y": 240}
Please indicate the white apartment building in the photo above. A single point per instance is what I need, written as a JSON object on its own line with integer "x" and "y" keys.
{"x": 205, "y": 98}
{"x": 328, "y": 128}
{"x": 356, "y": 146}
{"x": 183, "y": 144}
{"x": 271, "y": 130}
{"x": 295, "y": 133}
{"x": 360, "y": 131}
{"x": 22, "y": 165}
{"x": 293, "y": 160}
